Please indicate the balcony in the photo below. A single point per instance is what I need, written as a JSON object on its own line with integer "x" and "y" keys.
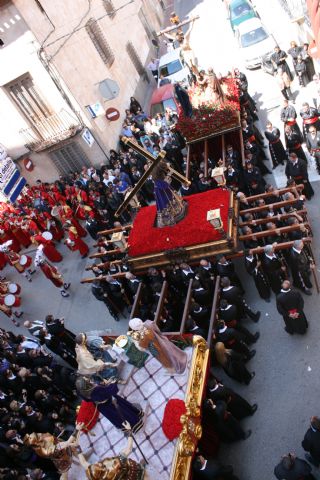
{"x": 49, "y": 131}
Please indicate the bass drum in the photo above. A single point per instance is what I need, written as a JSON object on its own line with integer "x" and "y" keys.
{"x": 14, "y": 288}
{"x": 9, "y": 300}
{"x": 47, "y": 235}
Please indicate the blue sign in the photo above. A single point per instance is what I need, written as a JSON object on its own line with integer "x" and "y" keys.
{"x": 12, "y": 182}
{"x": 17, "y": 189}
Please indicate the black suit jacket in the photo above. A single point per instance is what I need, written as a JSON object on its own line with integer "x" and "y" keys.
{"x": 213, "y": 470}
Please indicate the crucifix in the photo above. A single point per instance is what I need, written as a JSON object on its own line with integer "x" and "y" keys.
{"x": 154, "y": 162}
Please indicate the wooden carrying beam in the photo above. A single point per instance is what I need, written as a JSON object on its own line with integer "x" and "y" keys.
{"x": 105, "y": 264}
{"x": 162, "y": 298}
{"x": 103, "y": 277}
{"x": 258, "y": 250}
{"x": 271, "y": 206}
{"x": 136, "y": 304}
{"x": 213, "y": 311}
{"x": 108, "y": 252}
{"x": 123, "y": 228}
{"x": 276, "y": 231}
{"x": 179, "y": 25}
{"x": 275, "y": 218}
{"x": 186, "y": 308}
{"x": 188, "y": 161}
{"x": 280, "y": 191}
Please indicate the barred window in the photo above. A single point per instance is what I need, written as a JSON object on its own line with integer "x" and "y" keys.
{"x": 109, "y": 8}
{"x": 134, "y": 57}
{"x": 99, "y": 41}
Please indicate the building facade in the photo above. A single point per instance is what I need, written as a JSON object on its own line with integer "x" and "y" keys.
{"x": 65, "y": 63}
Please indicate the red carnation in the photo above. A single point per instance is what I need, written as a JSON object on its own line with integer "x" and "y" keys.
{"x": 171, "y": 424}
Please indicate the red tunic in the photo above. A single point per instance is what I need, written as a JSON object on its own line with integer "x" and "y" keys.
{"x": 52, "y": 274}
{"x": 49, "y": 249}
{"x": 79, "y": 244}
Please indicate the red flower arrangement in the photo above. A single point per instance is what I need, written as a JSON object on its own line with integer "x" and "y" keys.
{"x": 211, "y": 116}
{"x": 171, "y": 424}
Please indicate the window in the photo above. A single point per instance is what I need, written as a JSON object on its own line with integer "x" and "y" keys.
{"x": 253, "y": 37}
{"x": 99, "y": 41}
{"x": 137, "y": 62}
{"x": 109, "y": 8}
{"x": 70, "y": 158}
{"x": 171, "y": 68}
{"x": 28, "y": 98}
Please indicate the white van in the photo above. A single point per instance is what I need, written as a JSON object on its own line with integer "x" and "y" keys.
{"x": 254, "y": 41}
{"x": 173, "y": 67}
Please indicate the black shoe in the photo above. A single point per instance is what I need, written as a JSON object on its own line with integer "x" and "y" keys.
{"x": 31, "y": 271}
{"x": 66, "y": 285}
{"x": 251, "y": 354}
{"x": 252, "y": 374}
{"x": 307, "y": 291}
{"x": 254, "y": 408}
{"x": 267, "y": 300}
{"x": 84, "y": 256}
{"x": 18, "y": 314}
{"x": 256, "y": 336}
{"x": 247, "y": 434}
{"x": 256, "y": 316}
{"x": 311, "y": 460}
{"x": 64, "y": 294}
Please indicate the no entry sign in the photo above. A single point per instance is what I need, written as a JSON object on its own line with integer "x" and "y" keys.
{"x": 112, "y": 114}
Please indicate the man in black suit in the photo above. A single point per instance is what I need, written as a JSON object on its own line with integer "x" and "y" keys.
{"x": 192, "y": 327}
{"x": 228, "y": 313}
{"x": 201, "y": 295}
{"x": 311, "y": 442}
{"x": 237, "y": 405}
{"x": 300, "y": 267}
{"x": 201, "y": 315}
{"x": 206, "y": 274}
{"x": 292, "y": 468}
{"x": 232, "y": 339}
{"x": 209, "y": 469}
{"x": 233, "y": 295}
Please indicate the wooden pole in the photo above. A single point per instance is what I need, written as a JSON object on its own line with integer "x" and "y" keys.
{"x": 276, "y": 231}
{"x": 275, "y": 218}
{"x": 108, "y": 252}
{"x": 223, "y": 148}
{"x": 241, "y": 145}
{"x": 188, "y": 161}
{"x": 179, "y": 25}
{"x": 136, "y": 304}
{"x": 280, "y": 191}
{"x": 162, "y": 298}
{"x": 213, "y": 311}
{"x": 186, "y": 307}
{"x": 258, "y": 250}
{"x": 103, "y": 277}
{"x": 206, "y": 158}
{"x": 116, "y": 229}
{"x": 272, "y": 206}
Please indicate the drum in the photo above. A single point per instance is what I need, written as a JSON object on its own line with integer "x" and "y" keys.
{"x": 14, "y": 288}
{"x": 9, "y": 300}
{"x": 47, "y": 235}
{"x": 25, "y": 261}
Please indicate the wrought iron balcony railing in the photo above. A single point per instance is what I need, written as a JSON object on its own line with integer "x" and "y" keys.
{"x": 48, "y": 131}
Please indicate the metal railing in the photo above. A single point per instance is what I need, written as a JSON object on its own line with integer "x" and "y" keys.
{"x": 49, "y": 131}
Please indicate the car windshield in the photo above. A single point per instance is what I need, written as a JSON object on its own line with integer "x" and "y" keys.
{"x": 170, "y": 68}
{"x": 161, "y": 107}
{"x": 253, "y": 37}
{"x": 239, "y": 10}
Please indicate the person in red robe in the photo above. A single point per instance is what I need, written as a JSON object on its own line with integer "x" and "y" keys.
{"x": 67, "y": 214}
{"x": 21, "y": 263}
{"x": 22, "y": 235}
{"x": 49, "y": 248}
{"x": 51, "y": 272}
{"x": 78, "y": 243}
